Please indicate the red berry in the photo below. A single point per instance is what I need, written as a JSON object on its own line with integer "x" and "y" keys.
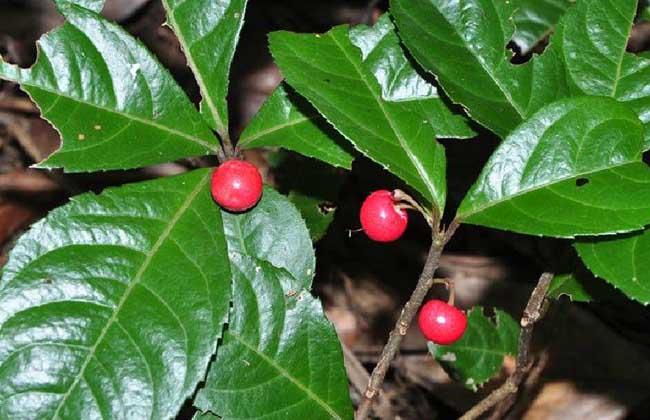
{"x": 236, "y": 185}
{"x": 381, "y": 219}
{"x": 441, "y": 322}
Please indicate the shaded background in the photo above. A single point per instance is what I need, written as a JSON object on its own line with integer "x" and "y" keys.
{"x": 592, "y": 360}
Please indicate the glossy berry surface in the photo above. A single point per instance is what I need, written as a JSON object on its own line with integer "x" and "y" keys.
{"x": 236, "y": 185}
{"x": 441, "y": 322}
{"x": 381, "y": 220}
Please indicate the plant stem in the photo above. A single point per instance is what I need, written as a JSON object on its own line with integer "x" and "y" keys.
{"x": 439, "y": 239}
{"x": 533, "y": 313}
{"x": 226, "y": 143}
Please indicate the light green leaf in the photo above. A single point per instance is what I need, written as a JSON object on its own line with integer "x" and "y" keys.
{"x": 111, "y": 307}
{"x": 478, "y": 355}
{"x": 328, "y": 70}
{"x": 463, "y": 44}
{"x": 622, "y": 260}
{"x": 383, "y": 55}
{"x": 569, "y": 285}
{"x": 574, "y": 168}
{"x": 279, "y": 353}
{"x": 596, "y": 60}
{"x": 115, "y": 106}
{"x": 288, "y": 121}
{"x": 208, "y": 31}
{"x": 94, "y": 5}
{"x": 535, "y": 20}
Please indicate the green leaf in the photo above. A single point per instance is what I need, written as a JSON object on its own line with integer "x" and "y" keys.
{"x": 569, "y": 285}
{"x": 279, "y": 354}
{"x": 574, "y": 168}
{"x": 328, "y": 70}
{"x": 115, "y": 106}
{"x": 313, "y": 187}
{"x": 288, "y": 121}
{"x": 94, "y": 5}
{"x": 622, "y": 260}
{"x": 208, "y": 31}
{"x": 399, "y": 81}
{"x": 318, "y": 215}
{"x": 478, "y": 355}
{"x": 273, "y": 232}
{"x": 111, "y": 307}
{"x": 463, "y": 44}
{"x": 596, "y": 60}
{"x": 535, "y": 20}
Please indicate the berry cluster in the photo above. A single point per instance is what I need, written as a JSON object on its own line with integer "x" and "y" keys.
{"x": 237, "y": 186}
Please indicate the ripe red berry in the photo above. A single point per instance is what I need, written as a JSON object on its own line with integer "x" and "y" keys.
{"x": 381, "y": 219}
{"x": 441, "y": 322}
{"x": 236, "y": 185}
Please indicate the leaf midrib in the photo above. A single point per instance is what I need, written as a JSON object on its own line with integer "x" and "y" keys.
{"x": 222, "y": 129}
{"x": 288, "y": 376}
{"x": 143, "y": 121}
{"x": 136, "y": 280}
{"x": 244, "y": 140}
{"x": 414, "y": 161}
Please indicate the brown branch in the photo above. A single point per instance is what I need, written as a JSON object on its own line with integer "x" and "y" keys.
{"x": 533, "y": 312}
{"x": 403, "y": 322}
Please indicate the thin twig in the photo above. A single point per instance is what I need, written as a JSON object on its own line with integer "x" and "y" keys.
{"x": 532, "y": 314}
{"x": 403, "y": 322}
{"x": 359, "y": 378}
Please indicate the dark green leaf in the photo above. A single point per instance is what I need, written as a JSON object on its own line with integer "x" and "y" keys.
{"x": 318, "y": 214}
{"x": 596, "y": 61}
{"x": 327, "y": 69}
{"x": 208, "y": 31}
{"x": 535, "y": 20}
{"x": 574, "y": 168}
{"x": 383, "y": 55}
{"x": 569, "y": 285}
{"x": 280, "y": 358}
{"x": 286, "y": 120}
{"x": 273, "y": 232}
{"x": 623, "y": 260}
{"x": 313, "y": 187}
{"x": 115, "y": 106}
{"x": 111, "y": 307}
{"x": 463, "y": 44}
{"x": 479, "y": 354}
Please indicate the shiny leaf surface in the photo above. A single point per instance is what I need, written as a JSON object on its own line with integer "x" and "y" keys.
{"x": 574, "y": 168}
{"x": 399, "y": 80}
{"x": 596, "y": 60}
{"x": 111, "y": 307}
{"x": 623, "y": 261}
{"x": 273, "y": 232}
{"x": 535, "y": 19}
{"x": 288, "y": 121}
{"x": 479, "y": 354}
{"x": 463, "y": 44}
{"x": 117, "y": 107}
{"x": 208, "y": 31}
{"x": 279, "y": 353}
{"x": 328, "y": 70}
